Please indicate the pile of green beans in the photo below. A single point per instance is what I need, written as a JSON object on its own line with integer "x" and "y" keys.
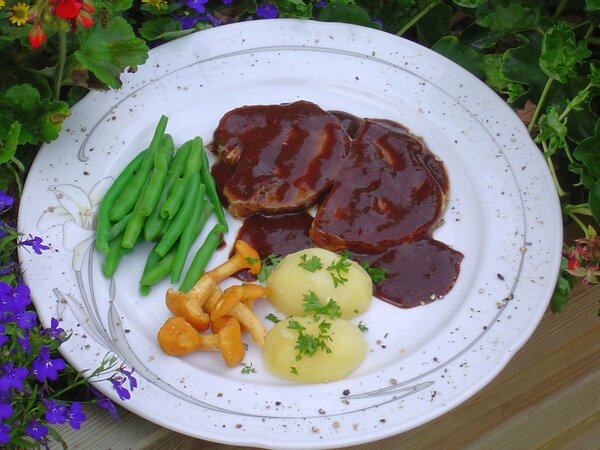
{"x": 164, "y": 196}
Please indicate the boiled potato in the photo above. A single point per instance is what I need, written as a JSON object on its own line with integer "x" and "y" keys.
{"x": 290, "y": 282}
{"x": 347, "y": 344}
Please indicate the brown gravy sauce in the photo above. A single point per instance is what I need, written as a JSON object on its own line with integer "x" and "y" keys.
{"x": 418, "y": 271}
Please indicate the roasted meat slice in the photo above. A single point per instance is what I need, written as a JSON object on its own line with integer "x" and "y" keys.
{"x": 284, "y": 157}
{"x": 391, "y": 189}
{"x": 416, "y": 272}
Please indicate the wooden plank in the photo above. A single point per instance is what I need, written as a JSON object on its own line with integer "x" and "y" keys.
{"x": 547, "y": 395}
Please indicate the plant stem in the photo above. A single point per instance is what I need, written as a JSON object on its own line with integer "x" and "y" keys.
{"x": 559, "y": 189}
{"x": 538, "y": 107}
{"x": 418, "y": 17}
{"x": 559, "y": 9}
{"x": 580, "y": 223}
{"x": 60, "y": 63}
{"x": 589, "y": 31}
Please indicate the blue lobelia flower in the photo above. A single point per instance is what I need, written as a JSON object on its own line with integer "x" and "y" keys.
{"x": 6, "y": 410}
{"x": 105, "y": 403}
{"x": 122, "y": 391}
{"x": 54, "y": 331}
{"x": 55, "y": 412}
{"x": 36, "y": 429}
{"x": 12, "y": 377}
{"x": 3, "y": 338}
{"x": 76, "y": 415}
{"x": 44, "y": 367}
{"x": 4, "y": 433}
{"x": 267, "y": 11}
{"x": 13, "y": 301}
{"x": 196, "y": 5}
{"x": 35, "y": 242}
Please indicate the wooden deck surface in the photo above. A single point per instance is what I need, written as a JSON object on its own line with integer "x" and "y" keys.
{"x": 547, "y": 397}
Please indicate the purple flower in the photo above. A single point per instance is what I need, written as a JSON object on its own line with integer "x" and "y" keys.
{"x": 320, "y": 4}
{"x": 117, "y": 383}
{"x": 25, "y": 320}
{"x": 36, "y": 430}
{"x": 54, "y": 331}
{"x": 12, "y": 377}
{"x": 5, "y": 201}
{"x": 4, "y": 436}
{"x": 196, "y": 5}
{"x": 45, "y": 367}
{"x": 188, "y": 22}
{"x": 267, "y": 11}
{"x": 5, "y": 410}
{"x": 212, "y": 19}
{"x": 55, "y": 412}
{"x": 129, "y": 376}
{"x": 76, "y": 415}
{"x": 105, "y": 403}
{"x": 35, "y": 242}
{"x": 377, "y": 21}
{"x": 13, "y": 300}
{"x": 227, "y": 2}
{"x": 24, "y": 342}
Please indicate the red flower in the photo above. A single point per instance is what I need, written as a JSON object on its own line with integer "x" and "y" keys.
{"x": 37, "y": 35}
{"x": 68, "y": 9}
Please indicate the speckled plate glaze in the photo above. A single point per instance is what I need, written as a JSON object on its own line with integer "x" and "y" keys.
{"x": 502, "y": 215}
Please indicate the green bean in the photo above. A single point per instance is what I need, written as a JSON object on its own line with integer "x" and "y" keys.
{"x": 103, "y": 221}
{"x": 211, "y": 191}
{"x": 113, "y": 257}
{"x": 154, "y": 223}
{"x": 182, "y": 217}
{"x": 145, "y": 290}
{"x": 190, "y": 233}
{"x": 135, "y": 224}
{"x": 158, "y": 176}
{"x": 119, "y": 227}
{"x": 194, "y": 162}
{"x": 202, "y": 257}
{"x": 160, "y": 270}
{"x": 128, "y": 198}
{"x": 173, "y": 202}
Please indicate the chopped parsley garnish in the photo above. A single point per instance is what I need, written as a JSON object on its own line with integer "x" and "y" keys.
{"x": 294, "y": 370}
{"x": 312, "y": 305}
{"x": 313, "y": 264}
{"x": 273, "y": 318}
{"x": 247, "y": 369}
{"x": 339, "y": 268}
{"x": 377, "y": 274}
{"x": 362, "y": 327}
{"x": 252, "y": 260}
{"x": 267, "y": 266}
{"x": 307, "y": 344}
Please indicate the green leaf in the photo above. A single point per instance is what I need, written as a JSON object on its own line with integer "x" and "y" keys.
{"x": 495, "y": 79}
{"x": 588, "y": 155}
{"x": 466, "y": 57}
{"x": 106, "y": 52}
{"x": 561, "y": 53}
{"x": 469, "y": 3}
{"x": 163, "y": 27}
{"x": 353, "y": 14}
{"x": 435, "y": 24}
{"x": 592, "y": 5}
{"x": 40, "y": 118}
{"x": 8, "y": 146}
{"x": 561, "y": 294}
{"x": 294, "y": 8}
{"x": 507, "y": 17}
{"x": 114, "y": 5}
{"x": 521, "y": 65}
{"x": 480, "y": 38}
{"x": 553, "y": 131}
{"x": 594, "y": 201}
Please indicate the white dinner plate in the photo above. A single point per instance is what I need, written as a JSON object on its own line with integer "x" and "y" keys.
{"x": 502, "y": 214}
